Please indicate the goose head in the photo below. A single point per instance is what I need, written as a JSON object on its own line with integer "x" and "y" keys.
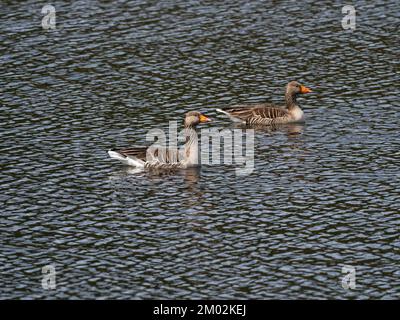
{"x": 294, "y": 88}
{"x": 193, "y": 118}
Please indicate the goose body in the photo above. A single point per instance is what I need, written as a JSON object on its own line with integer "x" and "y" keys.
{"x": 160, "y": 157}
{"x": 270, "y": 114}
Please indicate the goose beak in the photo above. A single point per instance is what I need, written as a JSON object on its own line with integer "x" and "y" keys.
{"x": 304, "y": 89}
{"x": 203, "y": 118}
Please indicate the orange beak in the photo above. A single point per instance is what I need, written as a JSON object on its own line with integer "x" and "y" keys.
{"x": 304, "y": 89}
{"x": 203, "y": 118}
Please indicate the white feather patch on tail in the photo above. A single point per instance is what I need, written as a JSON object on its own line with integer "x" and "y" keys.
{"x": 126, "y": 160}
{"x": 230, "y": 116}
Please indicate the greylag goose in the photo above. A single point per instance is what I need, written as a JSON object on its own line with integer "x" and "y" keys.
{"x": 270, "y": 114}
{"x": 160, "y": 157}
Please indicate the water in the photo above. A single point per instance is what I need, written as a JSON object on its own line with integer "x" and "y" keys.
{"x": 111, "y": 71}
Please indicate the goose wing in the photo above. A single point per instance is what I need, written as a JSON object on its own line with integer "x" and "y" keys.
{"x": 163, "y": 155}
{"x": 259, "y": 111}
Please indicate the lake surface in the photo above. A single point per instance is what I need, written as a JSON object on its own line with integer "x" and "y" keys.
{"x": 322, "y": 195}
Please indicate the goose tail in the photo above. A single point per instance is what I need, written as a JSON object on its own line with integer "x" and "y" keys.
{"x": 222, "y": 111}
{"x": 233, "y": 118}
{"x": 127, "y": 160}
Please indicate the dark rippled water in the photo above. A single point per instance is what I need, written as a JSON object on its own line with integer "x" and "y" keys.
{"x": 316, "y": 201}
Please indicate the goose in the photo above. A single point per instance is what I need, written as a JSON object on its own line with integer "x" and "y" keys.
{"x": 159, "y": 157}
{"x": 270, "y": 114}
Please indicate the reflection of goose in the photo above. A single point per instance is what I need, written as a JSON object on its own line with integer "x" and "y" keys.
{"x": 269, "y": 114}
{"x": 192, "y": 176}
{"x": 295, "y": 129}
{"x": 291, "y": 129}
{"x": 165, "y": 158}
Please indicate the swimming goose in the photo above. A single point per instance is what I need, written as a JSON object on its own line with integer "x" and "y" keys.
{"x": 269, "y": 114}
{"x": 159, "y": 157}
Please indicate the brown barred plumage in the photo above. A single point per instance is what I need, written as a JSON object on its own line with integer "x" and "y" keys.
{"x": 269, "y": 114}
{"x": 160, "y": 157}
